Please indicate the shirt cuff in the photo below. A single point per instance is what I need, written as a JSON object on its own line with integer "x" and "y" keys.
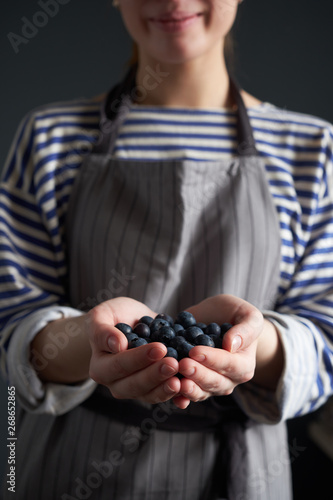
{"x": 34, "y": 395}
{"x": 294, "y": 393}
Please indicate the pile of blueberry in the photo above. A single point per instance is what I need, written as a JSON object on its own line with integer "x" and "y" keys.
{"x": 178, "y": 336}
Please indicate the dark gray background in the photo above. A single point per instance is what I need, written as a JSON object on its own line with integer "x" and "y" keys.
{"x": 283, "y": 55}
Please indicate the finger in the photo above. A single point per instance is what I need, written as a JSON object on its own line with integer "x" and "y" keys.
{"x": 102, "y": 319}
{"x": 155, "y": 383}
{"x": 191, "y": 391}
{"x": 105, "y": 338}
{"x": 106, "y": 368}
{"x": 206, "y": 365}
{"x": 246, "y": 330}
{"x": 181, "y": 401}
{"x": 219, "y": 309}
{"x": 201, "y": 382}
{"x": 120, "y": 310}
{"x": 134, "y": 360}
{"x": 163, "y": 392}
{"x": 194, "y": 392}
{"x": 247, "y": 320}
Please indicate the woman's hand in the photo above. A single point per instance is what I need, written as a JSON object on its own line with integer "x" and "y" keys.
{"x": 92, "y": 346}
{"x": 216, "y": 372}
{"x": 141, "y": 373}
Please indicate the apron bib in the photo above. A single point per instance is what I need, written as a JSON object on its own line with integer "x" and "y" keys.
{"x": 169, "y": 234}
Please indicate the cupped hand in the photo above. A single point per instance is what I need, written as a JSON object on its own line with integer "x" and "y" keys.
{"x": 216, "y": 372}
{"x": 142, "y": 373}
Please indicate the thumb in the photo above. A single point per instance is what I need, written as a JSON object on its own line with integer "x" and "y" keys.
{"x": 246, "y": 331}
{"x": 107, "y": 338}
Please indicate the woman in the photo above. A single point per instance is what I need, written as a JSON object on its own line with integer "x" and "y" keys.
{"x": 177, "y": 191}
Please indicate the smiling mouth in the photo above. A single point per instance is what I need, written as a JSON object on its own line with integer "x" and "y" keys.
{"x": 175, "y": 21}
{"x": 175, "y": 17}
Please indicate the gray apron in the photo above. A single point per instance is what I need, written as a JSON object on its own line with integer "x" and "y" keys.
{"x": 169, "y": 234}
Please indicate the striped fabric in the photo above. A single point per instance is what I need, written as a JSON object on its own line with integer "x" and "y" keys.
{"x": 46, "y": 154}
{"x": 87, "y": 454}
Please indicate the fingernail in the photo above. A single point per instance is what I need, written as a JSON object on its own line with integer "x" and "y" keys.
{"x": 113, "y": 344}
{"x": 199, "y": 357}
{"x": 168, "y": 370}
{"x": 190, "y": 371}
{"x": 155, "y": 353}
{"x": 190, "y": 389}
{"x": 168, "y": 389}
{"x": 236, "y": 343}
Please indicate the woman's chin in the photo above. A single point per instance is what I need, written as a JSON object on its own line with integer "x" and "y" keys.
{"x": 179, "y": 55}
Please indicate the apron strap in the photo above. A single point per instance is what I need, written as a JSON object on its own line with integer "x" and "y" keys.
{"x": 119, "y": 92}
{"x": 246, "y": 142}
{"x": 118, "y": 101}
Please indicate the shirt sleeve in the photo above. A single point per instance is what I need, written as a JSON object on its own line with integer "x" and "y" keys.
{"x": 34, "y": 395}
{"x": 303, "y": 318}
{"x": 33, "y": 270}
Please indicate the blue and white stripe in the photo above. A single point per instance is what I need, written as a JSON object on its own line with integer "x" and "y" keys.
{"x": 297, "y": 149}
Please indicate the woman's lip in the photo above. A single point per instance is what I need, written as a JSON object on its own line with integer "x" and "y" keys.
{"x": 175, "y": 16}
{"x": 176, "y": 21}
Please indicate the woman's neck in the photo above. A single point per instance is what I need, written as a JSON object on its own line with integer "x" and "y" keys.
{"x": 195, "y": 84}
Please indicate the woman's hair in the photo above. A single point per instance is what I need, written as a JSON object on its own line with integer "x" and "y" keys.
{"x": 229, "y": 53}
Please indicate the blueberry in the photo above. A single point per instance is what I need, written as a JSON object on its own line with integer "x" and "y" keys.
{"x": 185, "y": 319}
{"x": 225, "y": 327}
{"x": 164, "y": 335}
{"x": 176, "y": 342}
{"x": 192, "y": 332}
{"x": 178, "y": 336}
{"x": 167, "y": 318}
{"x": 146, "y": 320}
{"x": 137, "y": 342}
{"x": 156, "y": 324}
{"x": 217, "y": 340}
{"x": 131, "y": 336}
{"x": 184, "y": 349}
{"x": 171, "y": 353}
{"x": 123, "y": 327}
{"x": 142, "y": 330}
{"x": 155, "y": 336}
{"x": 204, "y": 340}
{"x": 213, "y": 329}
{"x": 178, "y": 329}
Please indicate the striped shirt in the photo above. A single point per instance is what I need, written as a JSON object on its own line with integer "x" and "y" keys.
{"x": 45, "y": 157}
